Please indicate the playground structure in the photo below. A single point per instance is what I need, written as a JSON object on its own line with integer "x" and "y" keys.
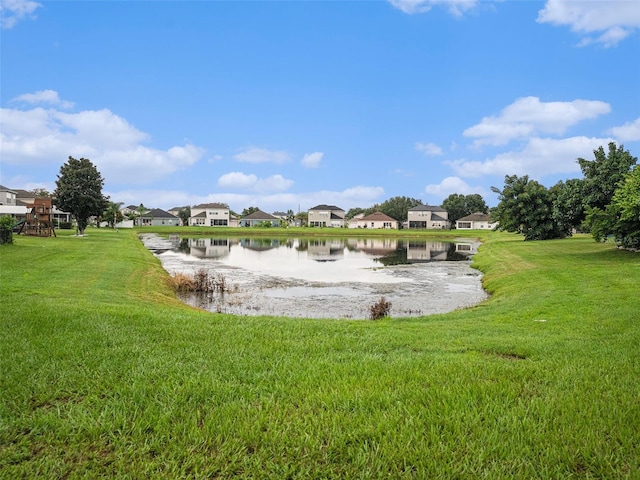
{"x": 39, "y": 219}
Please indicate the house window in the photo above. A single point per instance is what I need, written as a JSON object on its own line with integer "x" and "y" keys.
{"x": 464, "y": 224}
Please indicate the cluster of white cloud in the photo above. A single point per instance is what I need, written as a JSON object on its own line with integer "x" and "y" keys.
{"x": 526, "y": 121}
{"x": 604, "y": 22}
{"x": 12, "y": 11}
{"x": 242, "y": 181}
{"x": 38, "y": 136}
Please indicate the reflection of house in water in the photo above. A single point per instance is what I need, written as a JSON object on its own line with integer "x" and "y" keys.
{"x": 210, "y": 247}
{"x": 373, "y": 246}
{"x": 260, "y": 244}
{"x": 421, "y": 251}
{"x": 326, "y": 250}
{"x": 467, "y": 248}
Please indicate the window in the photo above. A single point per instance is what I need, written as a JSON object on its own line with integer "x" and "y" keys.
{"x": 464, "y": 224}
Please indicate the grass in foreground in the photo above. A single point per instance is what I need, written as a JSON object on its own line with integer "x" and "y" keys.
{"x": 103, "y": 373}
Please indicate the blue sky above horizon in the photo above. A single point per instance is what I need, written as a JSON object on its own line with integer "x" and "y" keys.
{"x": 289, "y": 104}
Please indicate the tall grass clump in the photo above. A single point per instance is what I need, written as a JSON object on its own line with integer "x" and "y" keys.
{"x": 380, "y": 309}
{"x": 202, "y": 281}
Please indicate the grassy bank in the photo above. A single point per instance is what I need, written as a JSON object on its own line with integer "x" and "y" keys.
{"x": 103, "y": 373}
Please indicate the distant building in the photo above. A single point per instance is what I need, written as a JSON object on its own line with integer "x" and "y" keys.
{"x": 378, "y": 220}
{"x": 428, "y": 217}
{"x": 476, "y": 221}
{"x": 326, "y": 216}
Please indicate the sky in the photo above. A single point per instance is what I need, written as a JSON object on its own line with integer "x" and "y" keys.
{"x": 290, "y": 104}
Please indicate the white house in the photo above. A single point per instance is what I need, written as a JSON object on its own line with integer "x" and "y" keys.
{"x": 326, "y": 216}
{"x": 378, "y": 220}
{"x": 210, "y": 215}
{"x": 428, "y": 216}
{"x": 476, "y": 221}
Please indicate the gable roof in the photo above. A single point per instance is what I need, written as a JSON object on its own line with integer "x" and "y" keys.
{"x": 476, "y": 217}
{"x": 158, "y": 213}
{"x": 260, "y": 215}
{"x": 378, "y": 217}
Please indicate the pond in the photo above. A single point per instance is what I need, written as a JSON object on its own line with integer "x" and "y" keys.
{"x": 326, "y": 278}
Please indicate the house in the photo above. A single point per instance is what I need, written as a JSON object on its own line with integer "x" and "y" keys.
{"x": 476, "y": 221}
{"x": 157, "y": 218}
{"x": 211, "y": 215}
{"x": 378, "y": 220}
{"x": 353, "y": 223}
{"x": 326, "y": 216}
{"x": 428, "y": 216}
{"x": 259, "y": 219}
{"x": 7, "y": 196}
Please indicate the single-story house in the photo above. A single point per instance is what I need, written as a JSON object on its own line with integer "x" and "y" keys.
{"x": 476, "y": 221}
{"x": 326, "y": 216}
{"x": 428, "y": 217}
{"x": 157, "y": 217}
{"x": 258, "y": 219}
{"x": 378, "y": 220}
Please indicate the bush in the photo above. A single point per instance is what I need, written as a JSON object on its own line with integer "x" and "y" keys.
{"x": 65, "y": 226}
{"x": 380, "y": 309}
{"x": 6, "y": 229}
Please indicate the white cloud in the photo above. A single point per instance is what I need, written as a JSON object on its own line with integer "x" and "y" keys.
{"x": 529, "y": 116}
{"x": 539, "y": 157}
{"x": 47, "y": 97}
{"x": 242, "y": 181}
{"x": 12, "y": 11}
{"x": 451, "y": 185}
{"x": 613, "y": 20}
{"x": 429, "y": 148}
{"x": 261, "y": 155}
{"x": 629, "y": 132}
{"x": 455, "y": 7}
{"x": 40, "y": 137}
{"x": 312, "y": 160}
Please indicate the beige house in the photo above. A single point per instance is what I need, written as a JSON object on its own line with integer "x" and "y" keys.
{"x": 378, "y": 220}
{"x": 428, "y": 217}
{"x": 476, "y": 221}
{"x": 326, "y": 216}
{"x": 210, "y": 215}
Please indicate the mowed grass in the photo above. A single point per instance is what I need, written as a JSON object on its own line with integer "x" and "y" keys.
{"x": 104, "y": 374}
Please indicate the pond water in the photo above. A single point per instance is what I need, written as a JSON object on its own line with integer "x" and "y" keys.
{"x": 326, "y": 278}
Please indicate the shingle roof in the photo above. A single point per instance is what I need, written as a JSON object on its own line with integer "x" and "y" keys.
{"x": 211, "y": 205}
{"x": 158, "y": 213}
{"x": 476, "y": 217}
{"x": 426, "y": 208}
{"x": 326, "y": 207}
{"x": 378, "y": 217}
{"x": 260, "y": 215}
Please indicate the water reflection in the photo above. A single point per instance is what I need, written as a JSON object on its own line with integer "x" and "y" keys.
{"x": 387, "y": 251}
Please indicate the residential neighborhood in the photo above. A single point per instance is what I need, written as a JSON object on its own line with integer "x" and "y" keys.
{"x": 19, "y": 203}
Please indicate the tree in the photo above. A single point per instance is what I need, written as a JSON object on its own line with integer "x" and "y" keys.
{"x": 79, "y": 191}
{"x": 40, "y": 192}
{"x": 140, "y": 210}
{"x": 112, "y": 214}
{"x": 303, "y": 218}
{"x": 568, "y": 204}
{"x": 526, "y": 207}
{"x": 602, "y": 175}
{"x": 458, "y": 205}
{"x": 396, "y": 207}
{"x": 184, "y": 214}
{"x": 353, "y": 212}
{"x": 621, "y": 218}
{"x": 249, "y": 211}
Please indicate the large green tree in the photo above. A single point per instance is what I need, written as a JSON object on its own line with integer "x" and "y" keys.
{"x": 112, "y": 214}
{"x": 568, "y": 203}
{"x": 396, "y": 207}
{"x": 458, "y": 205}
{"x": 79, "y": 191}
{"x": 526, "y": 207}
{"x": 621, "y": 217}
{"x": 603, "y": 174}
{"x": 183, "y": 214}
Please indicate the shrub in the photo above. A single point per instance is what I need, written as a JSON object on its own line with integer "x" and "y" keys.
{"x": 201, "y": 281}
{"x": 380, "y": 309}
{"x": 6, "y": 229}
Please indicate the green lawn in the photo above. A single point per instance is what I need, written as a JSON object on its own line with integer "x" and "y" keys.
{"x": 103, "y": 373}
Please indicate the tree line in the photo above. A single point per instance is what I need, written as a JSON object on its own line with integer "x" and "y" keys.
{"x": 604, "y": 202}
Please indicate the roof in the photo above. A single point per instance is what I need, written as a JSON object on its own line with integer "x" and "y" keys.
{"x": 426, "y": 208}
{"x": 476, "y": 217}
{"x": 158, "y": 213}
{"x": 211, "y": 205}
{"x": 438, "y": 217}
{"x": 326, "y": 207}
{"x": 260, "y": 215}
{"x": 378, "y": 217}
{"x": 5, "y": 189}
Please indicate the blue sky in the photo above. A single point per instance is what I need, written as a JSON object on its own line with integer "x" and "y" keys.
{"x": 290, "y": 104}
